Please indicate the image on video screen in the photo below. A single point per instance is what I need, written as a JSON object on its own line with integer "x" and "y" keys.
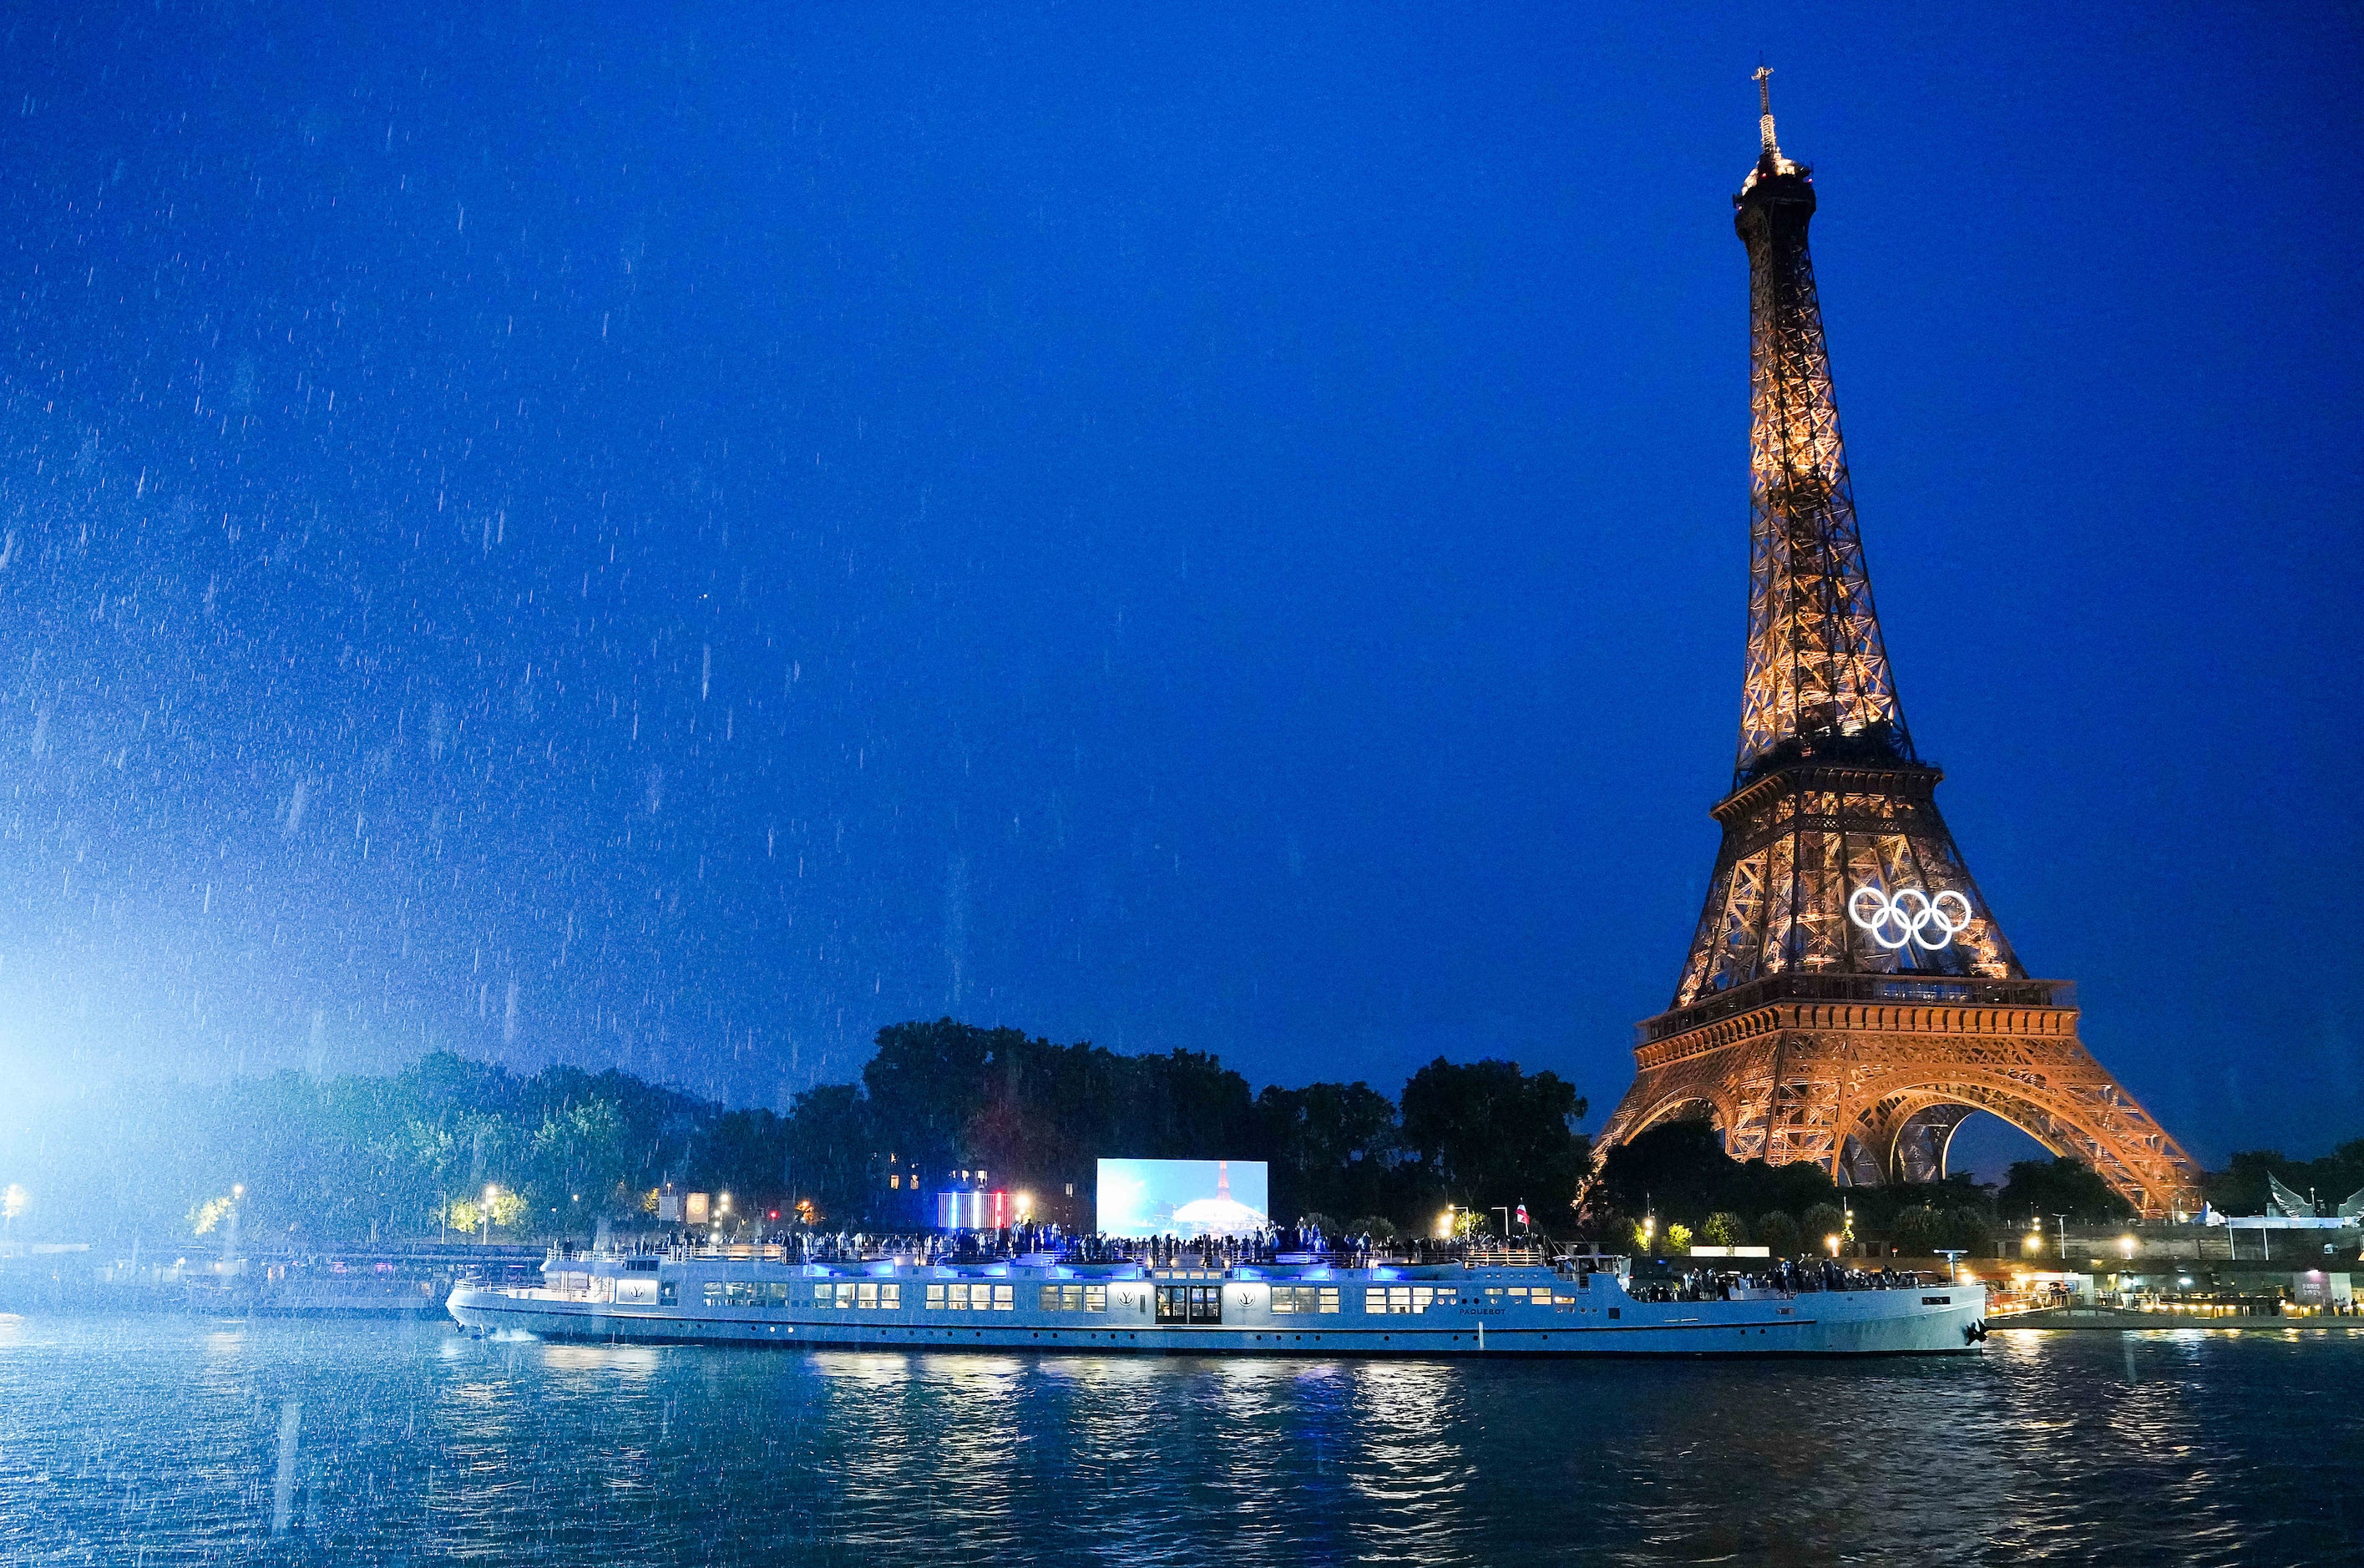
{"x": 1182, "y": 1197}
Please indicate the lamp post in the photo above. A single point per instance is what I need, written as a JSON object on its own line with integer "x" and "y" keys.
{"x": 485, "y": 1217}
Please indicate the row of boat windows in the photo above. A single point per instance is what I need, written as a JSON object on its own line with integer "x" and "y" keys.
{"x": 1175, "y": 1304}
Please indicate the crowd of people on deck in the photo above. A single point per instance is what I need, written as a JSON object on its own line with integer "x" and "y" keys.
{"x": 1293, "y": 1244}
{"x": 1789, "y": 1276}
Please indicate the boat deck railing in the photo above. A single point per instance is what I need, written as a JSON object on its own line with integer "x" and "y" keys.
{"x": 935, "y": 1251}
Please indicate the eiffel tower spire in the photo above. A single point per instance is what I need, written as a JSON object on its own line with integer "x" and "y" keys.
{"x": 1849, "y": 999}
{"x": 1817, "y": 678}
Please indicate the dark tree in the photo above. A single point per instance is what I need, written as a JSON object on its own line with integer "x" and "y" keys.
{"x": 927, "y": 1082}
{"x": 2066, "y": 1185}
{"x": 829, "y": 1153}
{"x": 1331, "y": 1147}
{"x": 1486, "y": 1135}
{"x": 1679, "y": 1170}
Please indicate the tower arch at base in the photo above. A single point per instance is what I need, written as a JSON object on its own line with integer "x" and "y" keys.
{"x": 1903, "y": 1137}
{"x": 1867, "y": 1078}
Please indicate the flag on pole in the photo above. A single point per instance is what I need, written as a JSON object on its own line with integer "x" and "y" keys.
{"x": 1523, "y": 1214}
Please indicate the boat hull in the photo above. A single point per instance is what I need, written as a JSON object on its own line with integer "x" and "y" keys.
{"x": 1948, "y": 1321}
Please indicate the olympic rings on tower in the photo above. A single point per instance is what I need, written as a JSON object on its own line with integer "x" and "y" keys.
{"x": 1896, "y": 920}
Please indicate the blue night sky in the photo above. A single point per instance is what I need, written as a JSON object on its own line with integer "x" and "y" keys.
{"x": 673, "y": 541}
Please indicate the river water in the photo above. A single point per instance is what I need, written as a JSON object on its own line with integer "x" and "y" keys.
{"x": 165, "y": 1440}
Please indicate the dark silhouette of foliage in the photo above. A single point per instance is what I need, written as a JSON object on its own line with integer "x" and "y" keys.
{"x": 1679, "y": 1170}
{"x": 411, "y": 1154}
{"x": 2065, "y": 1186}
{"x": 1332, "y": 1147}
{"x": 1486, "y": 1135}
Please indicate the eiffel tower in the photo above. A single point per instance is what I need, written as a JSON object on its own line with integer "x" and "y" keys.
{"x": 1849, "y": 998}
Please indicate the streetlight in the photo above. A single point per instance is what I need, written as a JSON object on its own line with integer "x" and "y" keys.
{"x": 484, "y": 1217}
{"x": 1831, "y": 1242}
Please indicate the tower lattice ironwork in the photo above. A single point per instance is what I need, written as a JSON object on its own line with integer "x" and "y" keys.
{"x": 1849, "y": 998}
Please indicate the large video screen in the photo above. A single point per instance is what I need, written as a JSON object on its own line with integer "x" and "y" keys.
{"x": 1183, "y": 1197}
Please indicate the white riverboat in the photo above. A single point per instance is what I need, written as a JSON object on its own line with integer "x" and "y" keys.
{"x": 1477, "y": 1305}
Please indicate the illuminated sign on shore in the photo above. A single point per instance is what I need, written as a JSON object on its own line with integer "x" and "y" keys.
{"x": 1183, "y": 1197}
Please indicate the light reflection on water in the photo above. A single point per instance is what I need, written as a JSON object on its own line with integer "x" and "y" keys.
{"x": 128, "y": 1438}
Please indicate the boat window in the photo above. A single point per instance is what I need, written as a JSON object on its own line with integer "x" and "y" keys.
{"x": 867, "y": 1297}
{"x": 957, "y": 1297}
{"x": 846, "y": 1294}
{"x": 1406, "y": 1298}
{"x": 666, "y": 1294}
{"x": 1304, "y": 1298}
{"x": 935, "y": 1297}
{"x": 890, "y": 1297}
{"x": 1005, "y": 1297}
{"x": 1095, "y": 1298}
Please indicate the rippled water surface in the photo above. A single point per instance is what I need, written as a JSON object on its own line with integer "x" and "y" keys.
{"x": 155, "y": 1440}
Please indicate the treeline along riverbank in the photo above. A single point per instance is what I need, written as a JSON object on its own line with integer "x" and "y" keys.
{"x": 448, "y": 1149}
{"x": 450, "y": 1146}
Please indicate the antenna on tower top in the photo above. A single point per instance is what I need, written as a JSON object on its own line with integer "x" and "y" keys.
{"x": 1765, "y": 110}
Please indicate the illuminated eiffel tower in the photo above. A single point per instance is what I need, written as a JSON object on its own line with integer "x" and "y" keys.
{"x": 1849, "y": 998}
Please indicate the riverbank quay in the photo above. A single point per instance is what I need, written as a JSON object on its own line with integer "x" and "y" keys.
{"x": 2126, "y": 1320}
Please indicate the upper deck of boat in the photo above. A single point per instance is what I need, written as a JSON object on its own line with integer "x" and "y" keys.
{"x": 778, "y": 1262}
